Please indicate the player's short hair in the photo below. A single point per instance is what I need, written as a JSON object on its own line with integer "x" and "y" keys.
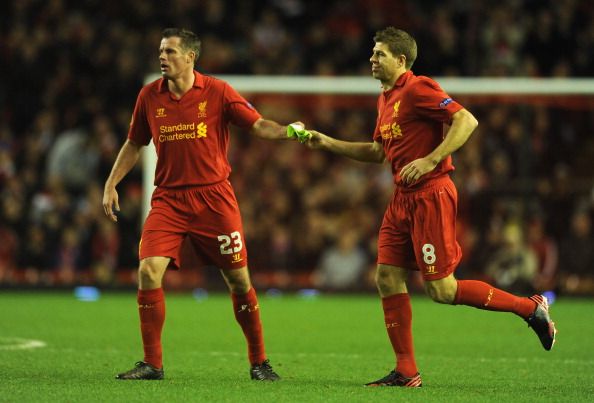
{"x": 399, "y": 42}
{"x": 188, "y": 39}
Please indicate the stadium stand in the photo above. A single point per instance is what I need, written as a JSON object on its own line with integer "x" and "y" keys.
{"x": 71, "y": 71}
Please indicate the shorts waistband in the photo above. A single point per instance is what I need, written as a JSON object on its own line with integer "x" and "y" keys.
{"x": 177, "y": 189}
{"x": 426, "y": 185}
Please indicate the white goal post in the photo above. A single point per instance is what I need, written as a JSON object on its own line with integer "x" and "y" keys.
{"x": 348, "y": 85}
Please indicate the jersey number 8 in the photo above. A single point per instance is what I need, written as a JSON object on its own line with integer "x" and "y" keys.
{"x": 429, "y": 253}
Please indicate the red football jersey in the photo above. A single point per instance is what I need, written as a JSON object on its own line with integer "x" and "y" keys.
{"x": 191, "y": 134}
{"x": 410, "y": 123}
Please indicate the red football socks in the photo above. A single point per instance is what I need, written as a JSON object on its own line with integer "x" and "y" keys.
{"x": 247, "y": 313}
{"x": 483, "y": 296}
{"x": 398, "y": 318}
{"x": 151, "y": 307}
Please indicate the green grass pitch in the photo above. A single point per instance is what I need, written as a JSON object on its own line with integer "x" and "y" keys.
{"x": 324, "y": 348}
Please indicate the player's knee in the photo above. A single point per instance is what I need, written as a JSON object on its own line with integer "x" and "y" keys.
{"x": 238, "y": 281}
{"x": 443, "y": 290}
{"x": 240, "y": 287}
{"x": 442, "y": 298}
{"x": 149, "y": 274}
{"x": 383, "y": 279}
{"x": 442, "y": 295}
{"x": 390, "y": 281}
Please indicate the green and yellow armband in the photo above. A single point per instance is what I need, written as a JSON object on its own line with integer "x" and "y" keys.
{"x": 295, "y": 130}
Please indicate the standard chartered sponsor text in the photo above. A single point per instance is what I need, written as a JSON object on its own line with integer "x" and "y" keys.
{"x": 182, "y": 131}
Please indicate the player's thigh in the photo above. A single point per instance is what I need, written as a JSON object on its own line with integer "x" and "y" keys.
{"x": 394, "y": 244}
{"x": 164, "y": 229}
{"x": 216, "y": 230}
{"x": 436, "y": 249}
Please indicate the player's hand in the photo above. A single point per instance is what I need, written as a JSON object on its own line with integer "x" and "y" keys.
{"x": 315, "y": 140}
{"x": 110, "y": 201}
{"x": 413, "y": 171}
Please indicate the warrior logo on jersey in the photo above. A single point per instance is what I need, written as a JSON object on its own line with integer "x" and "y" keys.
{"x": 202, "y": 109}
{"x": 236, "y": 258}
{"x": 160, "y": 113}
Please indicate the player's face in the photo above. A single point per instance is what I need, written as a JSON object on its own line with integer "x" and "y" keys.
{"x": 384, "y": 65}
{"x": 173, "y": 59}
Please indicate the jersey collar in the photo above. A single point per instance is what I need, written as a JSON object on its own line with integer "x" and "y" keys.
{"x": 400, "y": 82}
{"x": 198, "y": 82}
{"x": 403, "y": 78}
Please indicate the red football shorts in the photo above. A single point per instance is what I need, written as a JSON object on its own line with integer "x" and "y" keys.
{"x": 208, "y": 215}
{"x": 419, "y": 230}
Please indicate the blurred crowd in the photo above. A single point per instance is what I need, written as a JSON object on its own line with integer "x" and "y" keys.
{"x": 72, "y": 69}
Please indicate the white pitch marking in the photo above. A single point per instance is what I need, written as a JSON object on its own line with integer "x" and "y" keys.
{"x": 517, "y": 360}
{"x": 300, "y": 355}
{"x": 15, "y": 343}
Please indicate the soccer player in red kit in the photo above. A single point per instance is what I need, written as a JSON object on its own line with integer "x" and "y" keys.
{"x": 418, "y": 230}
{"x": 187, "y": 116}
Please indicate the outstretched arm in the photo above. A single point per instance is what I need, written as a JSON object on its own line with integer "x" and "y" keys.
{"x": 463, "y": 124}
{"x": 126, "y": 159}
{"x": 270, "y": 130}
{"x": 365, "y": 152}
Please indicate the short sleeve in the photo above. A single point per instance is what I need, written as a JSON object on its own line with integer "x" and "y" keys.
{"x": 432, "y": 102}
{"x": 238, "y": 111}
{"x": 139, "y": 131}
